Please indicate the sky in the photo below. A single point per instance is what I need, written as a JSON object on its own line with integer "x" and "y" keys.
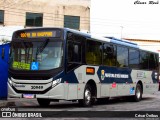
{"x": 7, "y": 31}
{"x": 124, "y": 19}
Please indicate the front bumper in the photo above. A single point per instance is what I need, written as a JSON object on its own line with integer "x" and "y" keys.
{"x": 57, "y": 92}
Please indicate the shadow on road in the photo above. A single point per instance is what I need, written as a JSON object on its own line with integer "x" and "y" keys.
{"x": 120, "y": 100}
{"x": 70, "y": 105}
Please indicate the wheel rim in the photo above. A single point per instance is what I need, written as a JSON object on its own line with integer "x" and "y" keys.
{"x": 87, "y": 96}
{"x": 138, "y": 93}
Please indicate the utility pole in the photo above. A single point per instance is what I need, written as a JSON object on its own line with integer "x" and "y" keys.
{"x": 121, "y": 31}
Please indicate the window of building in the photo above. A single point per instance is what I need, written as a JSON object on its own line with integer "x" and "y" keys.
{"x": 144, "y": 57}
{"x": 109, "y": 55}
{"x": 122, "y": 56}
{"x": 1, "y": 17}
{"x": 72, "y": 22}
{"x": 133, "y": 58}
{"x": 94, "y": 52}
{"x": 34, "y": 19}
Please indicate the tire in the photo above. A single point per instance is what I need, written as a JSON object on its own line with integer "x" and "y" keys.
{"x": 87, "y": 97}
{"x": 43, "y": 102}
{"x": 138, "y": 93}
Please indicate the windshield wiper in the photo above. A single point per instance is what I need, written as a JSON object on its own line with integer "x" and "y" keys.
{"x": 27, "y": 49}
{"x": 41, "y": 47}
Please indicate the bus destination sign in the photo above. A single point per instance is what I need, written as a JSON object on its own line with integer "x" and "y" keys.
{"x": 37, "y": 34}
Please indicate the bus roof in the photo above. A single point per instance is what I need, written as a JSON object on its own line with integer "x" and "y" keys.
{"x": 90, "y": 36}
{"x": 106, "y": 39}
{"x": 123, "y": 42}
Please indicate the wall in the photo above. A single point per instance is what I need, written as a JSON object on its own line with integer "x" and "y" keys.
{"x": 53, "y": 11}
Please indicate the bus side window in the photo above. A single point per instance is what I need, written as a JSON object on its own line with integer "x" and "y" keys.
{"x": 152, "y": 61}
{"x": 109, "y": 55}
{"x": 74, "y": 55}
{"x": 122, "y": 56}
{"x": 144, "y": 59}
{"x": 134, "y": 60}
{"x": 93, "y": 52}
{"x": 74, "y": 52}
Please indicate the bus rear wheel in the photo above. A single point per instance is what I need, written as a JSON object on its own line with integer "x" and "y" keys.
{"x": 87, "y": 97}
{"x": 43, "y": 102}
{"x": 138, "y": 93}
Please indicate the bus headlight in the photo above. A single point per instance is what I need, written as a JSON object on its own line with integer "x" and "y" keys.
{"x": 10, "y": 82}
{"x": 56, "y": 82}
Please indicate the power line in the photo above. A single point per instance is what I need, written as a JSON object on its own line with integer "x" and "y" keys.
{"x": 36, "y": 11}
{"x": 82, "y": 20}
{"x": 46, "y": 17}
{"x": 99, "y": 20}
{"x": 102, "y": 20}
{"x": 95, "y": 21}
{"x": 13, "y": 3}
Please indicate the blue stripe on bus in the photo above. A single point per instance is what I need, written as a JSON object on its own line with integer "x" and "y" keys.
{"x": 113, "y": 74}
{"x": 70, "y": 77}
{"x": 108, "y": 75}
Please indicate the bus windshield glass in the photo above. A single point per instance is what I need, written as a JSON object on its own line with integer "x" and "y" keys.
{"x": 39, "y": 55}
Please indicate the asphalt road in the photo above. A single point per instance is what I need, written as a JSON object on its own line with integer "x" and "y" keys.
{"x": 148, "y": 103}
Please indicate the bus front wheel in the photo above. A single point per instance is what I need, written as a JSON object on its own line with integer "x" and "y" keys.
{"x": 43, "y": 102}
{"x": 87, "y": 97}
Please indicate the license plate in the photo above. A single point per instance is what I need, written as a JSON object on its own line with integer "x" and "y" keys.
{"x": 30, "y": 96}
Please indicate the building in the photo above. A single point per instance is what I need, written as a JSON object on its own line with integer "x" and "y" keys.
{"x": 45, "y": 13}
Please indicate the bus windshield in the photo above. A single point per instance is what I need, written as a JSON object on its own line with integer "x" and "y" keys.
{"x": 39, "y": 55}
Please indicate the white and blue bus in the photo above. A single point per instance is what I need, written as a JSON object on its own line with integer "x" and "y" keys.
{"x": 52, "y": 64}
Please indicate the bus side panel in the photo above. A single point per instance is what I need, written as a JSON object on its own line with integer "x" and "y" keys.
{"x": 81, "y": 90}
{"x": 124, "y": 89}
{"x": 150, "y": 88}
{"x": 83, "y": 78}
{"x": 72, "y": 91}
{"x": 111, "y": 81}
{"x": 147, "y": 78}
{"x": 58, "y": 92}
{"x": 105, "y": 90}
{"x": 106, "y": 87}
{"x": 113, "y": 91}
